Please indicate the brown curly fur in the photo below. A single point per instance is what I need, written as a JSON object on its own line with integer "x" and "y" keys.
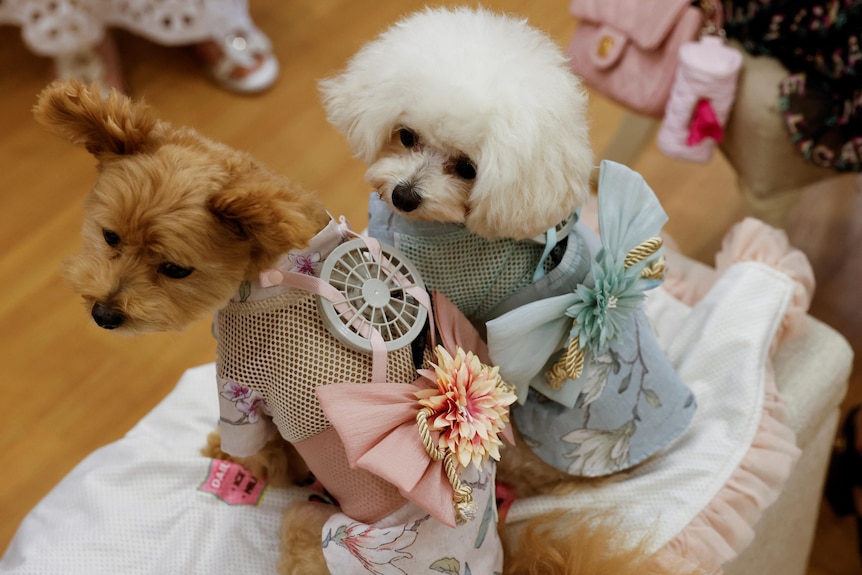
{"x": 301, "y": 526}
{"x": 173, "y": 196}
{"x": 568, "y": 544}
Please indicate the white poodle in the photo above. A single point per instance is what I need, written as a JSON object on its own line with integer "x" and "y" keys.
{"x": 469, "y": 117}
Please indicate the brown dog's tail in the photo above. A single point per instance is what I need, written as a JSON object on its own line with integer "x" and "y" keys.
{"x": 565, "y": 543}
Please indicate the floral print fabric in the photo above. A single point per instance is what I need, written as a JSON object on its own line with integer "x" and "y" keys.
{"x": 820, "y": 44}
{"x": 631, "y": 405}
{"x": 409, "y": 541}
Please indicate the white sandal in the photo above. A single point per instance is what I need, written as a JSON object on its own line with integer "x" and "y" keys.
{"x": 241, "y": 62}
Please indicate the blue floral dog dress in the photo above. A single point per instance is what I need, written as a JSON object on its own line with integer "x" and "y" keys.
{"x": 623, "y": 402}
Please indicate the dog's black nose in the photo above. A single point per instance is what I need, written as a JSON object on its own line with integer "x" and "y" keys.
{"x": 405, "y": 197}
{"x": 107, "y": 317}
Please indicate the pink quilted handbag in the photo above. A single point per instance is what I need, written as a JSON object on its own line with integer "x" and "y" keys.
{"x": 628, "y": 50}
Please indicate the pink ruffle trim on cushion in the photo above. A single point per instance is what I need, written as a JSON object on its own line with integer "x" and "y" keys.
{"x": 686, "y": 279}
{"x": 726, "y": 526}
{"x": 748, "y": 241}
{"x": 753, "y": 241}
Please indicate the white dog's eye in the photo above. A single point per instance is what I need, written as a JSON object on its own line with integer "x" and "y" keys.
{"x": 408, "y": 137}
{"x": 465, "y": 169}
{"x": 174, "y": 271}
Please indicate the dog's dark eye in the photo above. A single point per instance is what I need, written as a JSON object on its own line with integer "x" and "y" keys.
{"x": 408, "y": 137}
{"x": 174, "y": 271}
{"x": 465, "y": 169}
{"x": 111, "y": 238}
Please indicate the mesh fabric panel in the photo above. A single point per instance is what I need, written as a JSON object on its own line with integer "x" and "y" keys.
{"x": 361, "y": 494}
{"x": 280, "y": 348}
{"x": 475, "y": 274}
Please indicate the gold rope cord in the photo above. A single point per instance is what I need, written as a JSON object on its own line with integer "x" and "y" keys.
{"x": 465, "y": 509}
{"x": 571, "y": 364}
{"x": 655, "y": 269}
{"x": 642, "y": 252}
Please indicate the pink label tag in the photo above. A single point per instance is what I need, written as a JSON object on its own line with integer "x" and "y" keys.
{"x": 233, "y": 483}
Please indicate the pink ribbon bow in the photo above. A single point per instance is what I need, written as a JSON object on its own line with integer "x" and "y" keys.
{"x": 704, "y": 124}
{"x": 377, "y": 423}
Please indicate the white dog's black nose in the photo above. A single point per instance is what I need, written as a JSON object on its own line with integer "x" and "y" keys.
{"x": 107, "y": 317}
{"x": 405, "y": 197}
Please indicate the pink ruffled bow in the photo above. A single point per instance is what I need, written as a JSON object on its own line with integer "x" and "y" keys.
{"x": 377, "y": 423}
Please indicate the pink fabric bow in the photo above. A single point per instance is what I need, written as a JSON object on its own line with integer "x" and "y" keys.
{"x": 704, "y": 124}
{"x": 377, "y": 423}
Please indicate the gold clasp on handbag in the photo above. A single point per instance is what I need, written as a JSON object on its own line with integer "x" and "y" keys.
{"x": 605, "y": 46}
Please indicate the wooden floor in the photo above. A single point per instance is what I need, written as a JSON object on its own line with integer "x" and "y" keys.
{"x": 72, "y": 387}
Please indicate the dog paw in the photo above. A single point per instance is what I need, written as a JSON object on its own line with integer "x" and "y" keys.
{"x": 277, "y": 462}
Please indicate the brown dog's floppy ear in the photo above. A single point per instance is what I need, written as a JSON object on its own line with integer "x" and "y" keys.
{"x": 275, "y": 215}
{"x": 77, "y": 112}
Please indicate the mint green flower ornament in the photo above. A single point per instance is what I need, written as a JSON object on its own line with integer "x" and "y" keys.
{"x": 605, "y": 305}
{"x": 604, "y": 308}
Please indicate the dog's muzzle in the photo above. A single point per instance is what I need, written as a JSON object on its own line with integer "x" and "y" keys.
{"x": 405, "y": 197}
{"x": 107, "y": 317}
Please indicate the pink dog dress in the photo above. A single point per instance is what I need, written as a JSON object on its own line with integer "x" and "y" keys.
{"x": 280, "y": 369}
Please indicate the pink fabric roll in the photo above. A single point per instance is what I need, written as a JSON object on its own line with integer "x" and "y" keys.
{"x": 700, "y": 101}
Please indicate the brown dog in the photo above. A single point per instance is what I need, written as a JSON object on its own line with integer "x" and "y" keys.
{"x": 175, "y": 222}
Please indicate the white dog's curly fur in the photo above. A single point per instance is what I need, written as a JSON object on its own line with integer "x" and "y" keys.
{"x": 467, "y": 116}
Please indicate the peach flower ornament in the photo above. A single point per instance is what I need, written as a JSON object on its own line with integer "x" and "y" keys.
{"x": 469, "y": 408}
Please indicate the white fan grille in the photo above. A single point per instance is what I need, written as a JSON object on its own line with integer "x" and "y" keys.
{"x": 376, "y": 296}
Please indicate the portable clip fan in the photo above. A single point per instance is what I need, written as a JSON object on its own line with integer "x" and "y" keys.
{"x": 381, "y": 291}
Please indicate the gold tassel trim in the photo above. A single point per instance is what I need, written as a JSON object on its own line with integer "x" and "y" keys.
{"x": 570, "y": 366}
{"x": 465, "y": 508}
{"x": 655, "y": 270}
